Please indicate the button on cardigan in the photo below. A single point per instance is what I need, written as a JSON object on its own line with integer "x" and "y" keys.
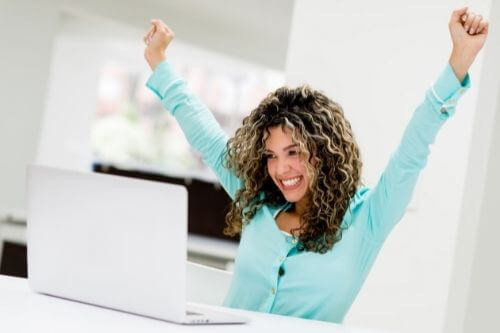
{"x": 270, "y": 273}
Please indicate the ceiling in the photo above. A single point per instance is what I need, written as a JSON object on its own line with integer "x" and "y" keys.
{"x": 256, "y": 31}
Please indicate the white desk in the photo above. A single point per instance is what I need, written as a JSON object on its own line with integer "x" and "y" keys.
{"x": 22, "y": 310}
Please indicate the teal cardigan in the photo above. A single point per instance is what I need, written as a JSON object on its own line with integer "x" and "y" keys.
{"x": 270, "y": 273}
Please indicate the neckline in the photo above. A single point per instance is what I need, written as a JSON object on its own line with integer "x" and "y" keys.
{"x": 283, "y": 207}
{"x": 280, "y": 209}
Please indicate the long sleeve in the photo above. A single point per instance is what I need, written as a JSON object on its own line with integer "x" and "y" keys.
{"x": 390, "y": 197}
{"x": 196, "y": 121}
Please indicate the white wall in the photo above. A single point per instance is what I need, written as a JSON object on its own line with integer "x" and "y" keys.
{"x": 71, "y": 103}
{"x": 81, "y": 48}
{"x": 474, "y": 290}
{"x": 377, "y": 59}
{"x": 26, "y": 36}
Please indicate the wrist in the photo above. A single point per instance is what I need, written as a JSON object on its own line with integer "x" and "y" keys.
{"x": 154, "y": 58}
{"x": 460, "y": 61}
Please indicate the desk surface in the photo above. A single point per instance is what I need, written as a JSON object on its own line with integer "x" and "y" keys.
{"x": 22, "y": 310}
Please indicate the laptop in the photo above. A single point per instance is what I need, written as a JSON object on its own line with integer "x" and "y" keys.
{"x": 112, "y": 241}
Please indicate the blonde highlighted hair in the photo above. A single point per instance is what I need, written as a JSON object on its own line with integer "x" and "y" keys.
{"x": 332, "y": 160}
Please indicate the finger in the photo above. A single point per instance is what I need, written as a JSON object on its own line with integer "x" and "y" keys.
{"x": 486, "y": 28}
{"x": 481, "y": 26}
{"x": 169, "y": 31}
{"x": 164, "y": 27}
{"x": 468, "y": 22}
{"x": 153, "y": 31}
{"x": 459, "y": 13}
{"x": 158, "y": 25}
{"x": 475, "y": 24}
{"x": 147, "y": 36}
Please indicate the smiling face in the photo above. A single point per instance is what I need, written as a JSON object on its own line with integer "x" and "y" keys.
{"x": 326, "y": 164}
{"x": 286, "y": 165}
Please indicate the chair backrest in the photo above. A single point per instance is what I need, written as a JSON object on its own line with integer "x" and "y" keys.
{"x": 207, "y": 285}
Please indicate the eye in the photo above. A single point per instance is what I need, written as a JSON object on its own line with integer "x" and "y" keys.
{"x": 293, "y": 152}
{"x": 269, "y": 156}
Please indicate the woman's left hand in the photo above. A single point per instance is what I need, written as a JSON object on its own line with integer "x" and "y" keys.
{"x": 468, "y": 32}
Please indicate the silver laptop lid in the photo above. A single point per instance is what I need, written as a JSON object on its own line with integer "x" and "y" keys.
{"x": 108, "y": 240}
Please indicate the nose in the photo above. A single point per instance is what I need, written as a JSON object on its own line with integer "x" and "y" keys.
{"x": 283, "y": 167}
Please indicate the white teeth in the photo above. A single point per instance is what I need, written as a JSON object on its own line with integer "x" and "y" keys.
{"x": 290, "y": 182}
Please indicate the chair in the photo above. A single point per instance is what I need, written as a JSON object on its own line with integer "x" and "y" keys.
{"x": 207, "y": 285}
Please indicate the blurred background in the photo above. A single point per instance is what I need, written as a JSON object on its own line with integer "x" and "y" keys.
{"x": 73, "y": 95}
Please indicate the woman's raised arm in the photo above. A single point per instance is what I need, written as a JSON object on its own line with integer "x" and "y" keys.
{"x": 199, "y": 125}
{"x": 389, "y": 199}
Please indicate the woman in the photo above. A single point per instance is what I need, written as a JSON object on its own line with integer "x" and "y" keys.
{"x": 310, "y": 231}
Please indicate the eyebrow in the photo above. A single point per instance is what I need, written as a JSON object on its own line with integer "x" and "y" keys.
{"x": 286, "y": 148}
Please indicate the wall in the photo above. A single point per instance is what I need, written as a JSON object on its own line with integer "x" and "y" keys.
{"x": 474, "y": 291}
{"x": 377, "y": 59}
{"x": 27, "y": 33}
{"x": 71, "y": 102}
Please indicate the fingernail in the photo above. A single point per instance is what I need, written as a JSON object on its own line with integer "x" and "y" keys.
{"x": 471, "y": 31}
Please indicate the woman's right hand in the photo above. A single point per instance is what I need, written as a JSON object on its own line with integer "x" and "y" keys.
{"x": 157, "y": 40}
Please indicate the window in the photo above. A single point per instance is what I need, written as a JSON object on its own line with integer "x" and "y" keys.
{"x": 133, "y": 130}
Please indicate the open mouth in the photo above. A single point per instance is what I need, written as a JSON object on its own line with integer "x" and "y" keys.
{"x": 291, "y": 183}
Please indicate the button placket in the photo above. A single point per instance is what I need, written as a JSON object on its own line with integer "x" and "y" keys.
{"x": 281, "y": 260}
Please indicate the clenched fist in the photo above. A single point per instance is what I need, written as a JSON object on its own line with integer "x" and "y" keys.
{"x": 468, "y": 32}
{"x": 157, "y": 40}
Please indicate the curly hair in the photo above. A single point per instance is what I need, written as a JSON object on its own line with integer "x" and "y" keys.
{"x": 332, "y": 161}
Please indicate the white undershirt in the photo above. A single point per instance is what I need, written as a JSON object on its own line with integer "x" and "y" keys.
{"x": 286, "y": 206}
